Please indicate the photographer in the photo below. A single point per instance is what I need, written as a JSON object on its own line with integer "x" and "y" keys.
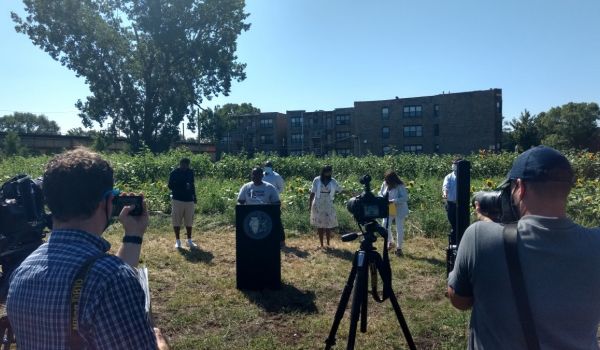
{"x": 183, "y": 201}
{"x": 322, "y": 210}
{"x": 398, "y": 198}
{"x": 558, "y": 261}
{"x": 78, "y": 189}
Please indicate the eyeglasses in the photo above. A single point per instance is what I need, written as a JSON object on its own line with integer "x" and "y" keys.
{"x": 115, "y": 192}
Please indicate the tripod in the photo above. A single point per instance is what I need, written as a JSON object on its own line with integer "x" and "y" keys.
{"x": 365, "y": 259}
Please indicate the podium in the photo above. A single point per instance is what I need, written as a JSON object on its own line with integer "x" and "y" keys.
{"x": 257, "y": 246}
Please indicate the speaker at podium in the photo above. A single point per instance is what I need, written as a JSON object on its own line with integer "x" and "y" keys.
{"x": 257, "y": 246}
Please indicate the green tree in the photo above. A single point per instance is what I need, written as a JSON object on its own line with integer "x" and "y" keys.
{"x": 12, "y": 145}
{"x": 573, "y": 125}
{"x": 81, "y": 132}
{"x": 28, "y": 123}
{"x": 525, "y": 132}
{"x": 149, "y": 64}
{"x": 214, "y": 123}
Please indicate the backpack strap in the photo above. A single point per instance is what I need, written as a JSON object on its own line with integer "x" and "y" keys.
{"x": 75, "y": 340}
{"x": 517, "y": 282}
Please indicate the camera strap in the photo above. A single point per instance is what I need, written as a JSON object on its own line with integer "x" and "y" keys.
{"x": 75, "y": 340}
{"x": 383, "y": 267}
{"x": 517, "y": 281}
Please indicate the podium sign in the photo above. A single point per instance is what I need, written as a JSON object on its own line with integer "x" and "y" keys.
{"x": 257, "y": 246}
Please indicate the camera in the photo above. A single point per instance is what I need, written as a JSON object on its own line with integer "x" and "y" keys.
{"x": 122, "y": 201}
{"x": 22, "y": 224}
{"x": 367, "y": 207}
{"x": 496, "y": 205}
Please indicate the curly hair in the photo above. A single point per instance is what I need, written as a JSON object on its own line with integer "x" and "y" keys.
{"x": 75, "y": 182}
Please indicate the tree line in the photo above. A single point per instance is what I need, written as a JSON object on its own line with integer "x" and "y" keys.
{"x": 570, "y": 126}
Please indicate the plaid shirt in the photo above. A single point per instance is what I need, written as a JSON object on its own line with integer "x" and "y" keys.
{"x": 112, "y": 310}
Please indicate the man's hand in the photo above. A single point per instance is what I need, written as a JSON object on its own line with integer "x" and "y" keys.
{"x": 134, "y": 225}
{"x": 461, "y": 303}
{"x": 161, "y": 340}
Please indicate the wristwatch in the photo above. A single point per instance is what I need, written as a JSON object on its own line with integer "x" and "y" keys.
{"x": 132, "y": 239}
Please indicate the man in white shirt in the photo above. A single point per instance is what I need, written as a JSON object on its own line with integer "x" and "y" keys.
{"x": 257, "y": 191}
{"x": 449, "y": 196}
{"x": 273, "y": 177}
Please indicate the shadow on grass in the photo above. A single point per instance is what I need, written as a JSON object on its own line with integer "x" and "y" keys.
{"x": 432, "y": 261}
{"x": 340, "y": 253}
{"x": 196, "y": 255}
{"x": 288, "y": 299}
{"x": 297, "y": 252}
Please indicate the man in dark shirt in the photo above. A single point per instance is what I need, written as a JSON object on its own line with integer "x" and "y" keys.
{"x": 183, "y": 200}
{"x": 78, "y": 189}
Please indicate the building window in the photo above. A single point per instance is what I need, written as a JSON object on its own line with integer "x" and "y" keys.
{"x": 342, "y": 135}
{"x": 266, "y": 123}
{"x": 315, "y": 121}
{"x": 226, "y": 139}
{"x": 343, "y": 152}
{"x": 413, "y": 148}
{"x": 266, "y": 139}
{"x": 412, "y": 111}
{"x": 385, "y": 113}
{"x": 297, "y": 138}
{"x": 413, "y": 131}
{"x": 499, "y": 107}
{"x": 436, "y": 148}
{"x": 385, "y": 132}
{"x": 436, "y": 129}
{"x": 436, "y": 110}
{"x": 251, "y": 123}
{"x": 297, "y": 122}
{"x": 343, "y": 119}
{"x": 387, "y": 150}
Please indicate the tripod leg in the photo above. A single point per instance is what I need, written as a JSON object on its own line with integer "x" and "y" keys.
{"x": 364, "y": 308}
{"x": 358, "y": 298}
{"x": 402, "y": 321}
{"x": 339, "y": 314}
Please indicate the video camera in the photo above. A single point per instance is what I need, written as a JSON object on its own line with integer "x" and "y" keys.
{"x": 22, "y": 223}
{"x": 367, "y": 207}
{"x": 496, "y": 205}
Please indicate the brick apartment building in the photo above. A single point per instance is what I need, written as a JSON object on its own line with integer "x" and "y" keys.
{"x": 458, "y": 123}
{"x": 263, "y": 132}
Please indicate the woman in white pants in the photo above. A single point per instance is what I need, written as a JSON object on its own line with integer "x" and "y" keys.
{"x": 398, "y": 197}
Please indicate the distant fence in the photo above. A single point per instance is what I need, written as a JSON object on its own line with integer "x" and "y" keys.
{"x": 57, "y": 143}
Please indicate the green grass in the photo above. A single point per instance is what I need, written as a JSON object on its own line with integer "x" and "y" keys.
{"x": 196, "y": 303}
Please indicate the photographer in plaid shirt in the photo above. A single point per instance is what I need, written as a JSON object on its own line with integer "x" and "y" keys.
{"x": 78, "y": 189}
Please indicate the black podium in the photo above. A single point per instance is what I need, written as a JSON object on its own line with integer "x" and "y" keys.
{"x": 257, "y": 246}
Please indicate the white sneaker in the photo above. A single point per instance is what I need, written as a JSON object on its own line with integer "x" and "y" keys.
{"x": 191, "y": 244}
{"x": 177, "y": 244}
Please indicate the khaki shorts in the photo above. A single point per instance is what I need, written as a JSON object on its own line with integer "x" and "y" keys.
{"x": 182, "y": 211}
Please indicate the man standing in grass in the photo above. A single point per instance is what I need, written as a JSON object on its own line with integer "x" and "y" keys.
{"x": 183, "y": 200}
{"x": 540, "y": 290}
{"x": 272, "y": 177}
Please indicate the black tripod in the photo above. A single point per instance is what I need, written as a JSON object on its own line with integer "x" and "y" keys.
{"x": 365, "y": 259}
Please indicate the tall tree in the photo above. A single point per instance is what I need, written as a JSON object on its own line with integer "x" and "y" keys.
{"x": 28, "y": 123}
{"x": 148, "y": 63}
{"x": 573, "y": 125}
{"x": 214, "y": 123}
{"x": 525, "y": 132}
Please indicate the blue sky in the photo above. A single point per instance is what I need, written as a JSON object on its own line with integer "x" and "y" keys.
{"x": 323, "y": 54}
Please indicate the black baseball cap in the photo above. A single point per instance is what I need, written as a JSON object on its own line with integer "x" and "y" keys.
{"x": 540, "y": 164}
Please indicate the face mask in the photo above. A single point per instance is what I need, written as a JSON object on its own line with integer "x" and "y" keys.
{"x": 268, "y": 170}
{"x": 454, "y": 167}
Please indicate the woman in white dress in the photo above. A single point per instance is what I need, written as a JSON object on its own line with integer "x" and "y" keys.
{"x": 322, "y": 210}
{"x": 398, "y": 198}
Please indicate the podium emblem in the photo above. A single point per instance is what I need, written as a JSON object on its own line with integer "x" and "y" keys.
{"x": 257, "y": 224}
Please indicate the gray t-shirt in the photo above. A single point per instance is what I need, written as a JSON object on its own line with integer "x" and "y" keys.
{"x": 262, "y": 194}
{"x": 561, "y": 266}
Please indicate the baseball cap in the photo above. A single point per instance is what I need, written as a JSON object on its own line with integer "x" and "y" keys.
{"x": 540, "y": 164}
